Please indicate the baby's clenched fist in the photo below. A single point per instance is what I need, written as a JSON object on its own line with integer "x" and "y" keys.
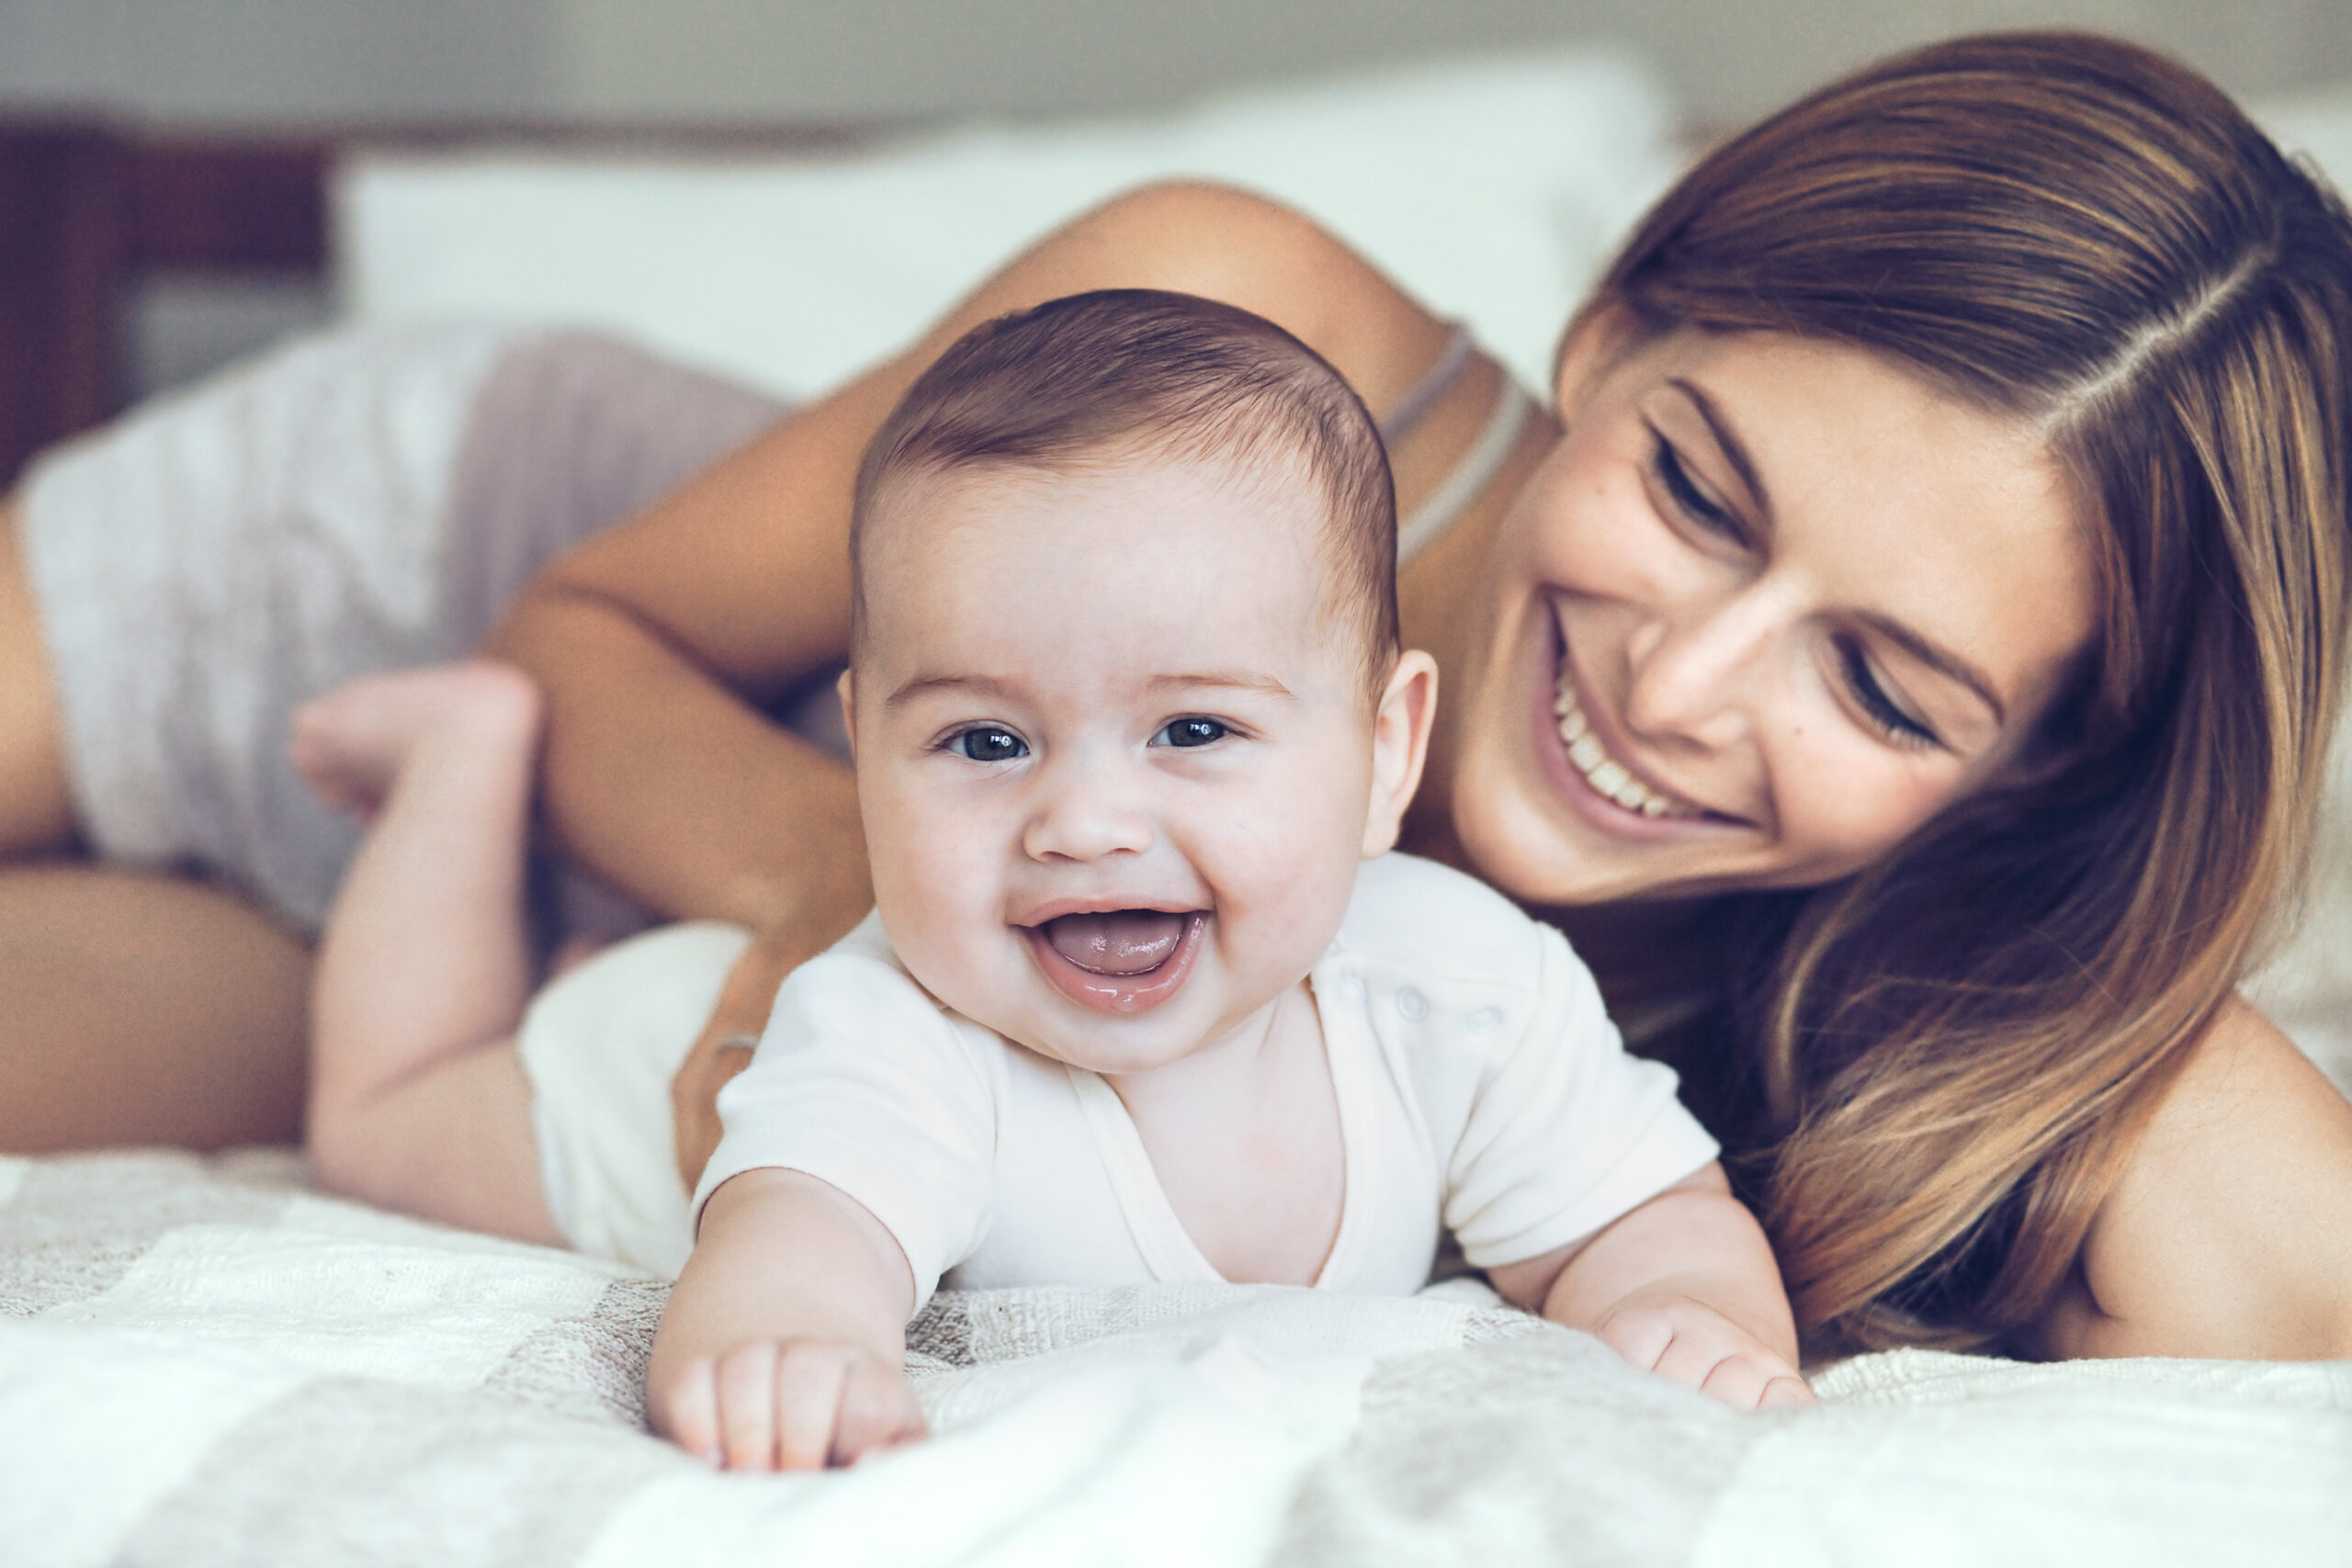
{"x": 788, "y": 1405}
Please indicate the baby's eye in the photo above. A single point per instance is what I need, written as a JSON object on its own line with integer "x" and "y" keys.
{"x": 1191, "y": 732}
{"x": 989, "y": 744}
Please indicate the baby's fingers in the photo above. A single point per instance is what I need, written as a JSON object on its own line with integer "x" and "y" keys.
{"x": 747, "y": 1405}
{"x": 879, "y": 1409}
{"x": 686, "y": 1409}
{"x": 1640, "y": 1335}
{"x": 808, "y": 1386}
{"x": 1750, "y": 1380}
{"x": 1694, "y": 1357}
{"x": 1694, "y": 1345}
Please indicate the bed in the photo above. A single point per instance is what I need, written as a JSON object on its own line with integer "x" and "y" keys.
{"x": 203, "y": 1361}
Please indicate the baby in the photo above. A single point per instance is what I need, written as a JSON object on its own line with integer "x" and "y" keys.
{"x": 1144, "y": 996}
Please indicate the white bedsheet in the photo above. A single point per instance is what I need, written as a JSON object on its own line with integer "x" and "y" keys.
{"x": 201, "y": 1362}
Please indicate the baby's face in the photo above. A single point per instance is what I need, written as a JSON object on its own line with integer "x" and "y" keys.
{"x": 1117, "y": 767}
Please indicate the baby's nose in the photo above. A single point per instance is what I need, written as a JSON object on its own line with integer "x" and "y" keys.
{"x": 1084, "y": 817}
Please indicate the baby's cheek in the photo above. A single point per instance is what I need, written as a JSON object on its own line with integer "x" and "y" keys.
{"x": 1302, "y": 876}
{"x": 923, "y": 898}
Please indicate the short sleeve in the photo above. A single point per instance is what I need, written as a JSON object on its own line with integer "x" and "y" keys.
{"x": 1567, "y": 1131}
{"x": 863, "y": 1082}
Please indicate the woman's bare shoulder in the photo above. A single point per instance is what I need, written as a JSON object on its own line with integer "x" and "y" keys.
{"x": 2229, "y": 1233}
{"x": 1193, "y": 237}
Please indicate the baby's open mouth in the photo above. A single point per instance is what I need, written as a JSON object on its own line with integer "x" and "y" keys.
{"x": 1118, "y": 942}
{"x": 1118, "y": 960}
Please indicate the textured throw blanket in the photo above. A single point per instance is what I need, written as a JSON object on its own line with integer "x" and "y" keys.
{"x": 201, "y": 1363}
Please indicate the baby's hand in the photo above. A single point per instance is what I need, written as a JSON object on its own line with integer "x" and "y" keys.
{"x": 793, "y": 1404}
{"x": 1689, "y": 1342}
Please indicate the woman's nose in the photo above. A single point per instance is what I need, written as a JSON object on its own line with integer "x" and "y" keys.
{"x": 1693, "y": 673}
{"x": 1085, "y": 810}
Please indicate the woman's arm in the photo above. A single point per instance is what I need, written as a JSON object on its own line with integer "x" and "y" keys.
{"x": 2230, "y": 1234}
{"x": 783, "y": 1345}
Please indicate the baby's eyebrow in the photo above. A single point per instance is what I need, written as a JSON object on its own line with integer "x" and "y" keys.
{"x": 924, "y": 685}
{"x": 995, "y": 690}
{"x": 1227, "y": 680}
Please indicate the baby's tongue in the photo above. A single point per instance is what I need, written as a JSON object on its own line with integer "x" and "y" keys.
{"x": 1124, "y": 942}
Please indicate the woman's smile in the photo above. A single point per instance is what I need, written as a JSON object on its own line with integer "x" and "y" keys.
{"x": 1599, "y": 779}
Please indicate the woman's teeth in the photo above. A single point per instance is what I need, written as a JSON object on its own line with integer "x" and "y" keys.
{"x": 1601, "y": 771}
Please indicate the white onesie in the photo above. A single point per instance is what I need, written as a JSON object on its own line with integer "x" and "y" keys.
{"x": 1481, "y": 1089}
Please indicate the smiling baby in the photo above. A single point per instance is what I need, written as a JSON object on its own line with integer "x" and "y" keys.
{"x": 1145, "y": 995}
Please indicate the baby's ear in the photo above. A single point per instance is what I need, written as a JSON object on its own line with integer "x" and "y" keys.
{"x": 1400, "y": 745}
{"x": 849, "y": 712}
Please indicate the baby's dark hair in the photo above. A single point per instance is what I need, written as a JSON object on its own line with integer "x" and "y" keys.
{"x": 1142, "y": 370}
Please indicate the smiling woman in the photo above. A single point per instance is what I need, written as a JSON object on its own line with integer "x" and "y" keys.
{"x": 1760, "y": 651}
{"x": 1951, "y": 519}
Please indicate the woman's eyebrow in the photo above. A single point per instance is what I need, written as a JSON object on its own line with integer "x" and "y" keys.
{"x": 1734, "y": 450}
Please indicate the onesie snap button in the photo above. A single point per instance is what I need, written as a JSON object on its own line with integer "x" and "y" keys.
{"x": 1413, "y": 1005}
{"x": 1348, "y": 992}
{"x": 1485, "y": 1019}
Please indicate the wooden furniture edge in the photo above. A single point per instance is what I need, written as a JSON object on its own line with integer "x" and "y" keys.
{"x": 90, "y": 207}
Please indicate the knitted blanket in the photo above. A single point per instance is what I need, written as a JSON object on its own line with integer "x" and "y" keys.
{"x": 202, "y": 1363}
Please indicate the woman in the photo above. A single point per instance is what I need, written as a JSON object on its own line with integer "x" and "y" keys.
{"x": 1904, "y": 667}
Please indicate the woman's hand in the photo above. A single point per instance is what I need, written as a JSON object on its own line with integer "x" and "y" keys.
{"x": 1684, "y": 1340}
{"x": 785, "y": 1405}
{"x": 724, "y": 1045}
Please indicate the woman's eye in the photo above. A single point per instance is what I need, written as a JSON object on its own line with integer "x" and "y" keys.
{"x": 1191, "y": 732}
{"x": 1693, "y": 502}
{"x": 1883, "y": 712}
{"x": 989, "y": 744}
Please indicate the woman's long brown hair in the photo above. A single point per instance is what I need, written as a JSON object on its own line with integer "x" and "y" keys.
{"x": 1951, "y": 1054}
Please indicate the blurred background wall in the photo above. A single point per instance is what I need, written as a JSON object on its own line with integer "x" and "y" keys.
{"x": 290, "y": 60}
{"x": 276, "y": 62}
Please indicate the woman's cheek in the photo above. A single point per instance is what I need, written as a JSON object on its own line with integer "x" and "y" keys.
{"x": 1860, "y": 810}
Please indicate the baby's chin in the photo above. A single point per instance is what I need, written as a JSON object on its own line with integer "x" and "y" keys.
{"x": 1112, "y": 1044}
{"x": 1009, "y": 993}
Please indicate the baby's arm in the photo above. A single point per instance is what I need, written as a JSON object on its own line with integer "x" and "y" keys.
{"x": 783, "y": 1346}
{"x": 1685, "y": 1286}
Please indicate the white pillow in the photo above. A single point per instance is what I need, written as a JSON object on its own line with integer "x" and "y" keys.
{"x": 2316, "y": 122}
{"x": 1489, "y": 187}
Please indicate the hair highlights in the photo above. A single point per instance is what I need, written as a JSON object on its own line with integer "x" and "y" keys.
{"x": 1951, "y": 1053}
